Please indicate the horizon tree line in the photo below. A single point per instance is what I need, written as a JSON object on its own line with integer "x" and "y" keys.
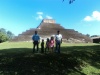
{"x": 5, "y": 35}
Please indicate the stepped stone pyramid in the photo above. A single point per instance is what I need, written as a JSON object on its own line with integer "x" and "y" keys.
{"x": 49, "y": 27}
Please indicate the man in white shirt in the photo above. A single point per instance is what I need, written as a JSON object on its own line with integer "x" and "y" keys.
{"x": 58, "y": 41}
{"x": 36, "y": 39}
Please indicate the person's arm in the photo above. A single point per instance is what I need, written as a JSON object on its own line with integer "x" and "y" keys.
{"x": 33, "y": 38}
{"x": 61, "y": 38}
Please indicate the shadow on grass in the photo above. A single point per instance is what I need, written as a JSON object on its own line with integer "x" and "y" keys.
{"x": 21, "y": 61}
{"x": 89, "y": 54}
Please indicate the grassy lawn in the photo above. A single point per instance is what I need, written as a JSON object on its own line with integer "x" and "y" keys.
{"x": 16, "y": 58}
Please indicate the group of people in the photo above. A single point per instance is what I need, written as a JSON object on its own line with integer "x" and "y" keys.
{"x": 53, "y": 44}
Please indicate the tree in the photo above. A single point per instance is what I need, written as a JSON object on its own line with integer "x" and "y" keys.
{"x": 3, "y": 30}
{"x": 10, "y": 35}
{"x": 3, "y": 37}
{"x": 70, "y": 1}
{"x": 94, "y": 36}
{"x": 87, "y": 35}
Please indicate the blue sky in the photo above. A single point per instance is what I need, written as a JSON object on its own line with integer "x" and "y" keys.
{"x": 18, "y": 16}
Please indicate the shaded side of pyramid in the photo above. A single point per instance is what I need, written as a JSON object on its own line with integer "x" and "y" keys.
{"x": 47, "y": 29}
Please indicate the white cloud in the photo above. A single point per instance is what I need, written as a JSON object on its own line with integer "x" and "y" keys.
{"x": 48, "y": 17}
{"x": 94, "y": 17}
{"x": 88, "y": 18}
{"x": 40, "y": 17}
{"x": 39, "y": 13}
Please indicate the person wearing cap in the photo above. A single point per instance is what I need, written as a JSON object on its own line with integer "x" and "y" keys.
{"x": 36, "y": 39}
{"x": 58, "y": 41}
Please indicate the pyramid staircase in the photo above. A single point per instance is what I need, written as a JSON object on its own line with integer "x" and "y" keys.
{"x": 45, "y": 30}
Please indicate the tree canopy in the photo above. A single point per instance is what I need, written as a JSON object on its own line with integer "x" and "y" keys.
{"x": 5, "y": 35}
{"x": 70, "y": 1}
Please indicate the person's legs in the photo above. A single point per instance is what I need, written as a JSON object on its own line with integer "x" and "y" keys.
{"x": 56, "y": 49}
{"x": 42, "y": 49}
{"x": 45, "y": 49}
{"x": 34, "y": 44}
{"x": 53, "y": 49}
{"x": 37, "y": 45}
{"x": 59, "y": 47}
{"x": 48, "y": 49}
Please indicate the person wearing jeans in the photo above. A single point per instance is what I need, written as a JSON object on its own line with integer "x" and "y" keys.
{"x": 58, "y": 41}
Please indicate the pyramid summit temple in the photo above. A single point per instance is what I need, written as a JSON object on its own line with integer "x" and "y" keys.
{"x": 48, "y": 28}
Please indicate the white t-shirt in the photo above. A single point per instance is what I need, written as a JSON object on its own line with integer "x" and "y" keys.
{"x": 58, "y": 37}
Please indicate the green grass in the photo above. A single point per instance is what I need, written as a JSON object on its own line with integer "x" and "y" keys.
{"x": 16, "y": 58}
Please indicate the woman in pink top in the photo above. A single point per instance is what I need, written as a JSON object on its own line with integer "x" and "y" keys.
{"x": 52, "y": 43}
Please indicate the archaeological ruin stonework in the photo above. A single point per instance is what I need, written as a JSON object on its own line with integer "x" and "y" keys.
{"x": 49, "y": 27}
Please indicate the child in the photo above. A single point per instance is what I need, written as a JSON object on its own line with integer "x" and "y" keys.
{"x": 52, "y": 43}
{"x": 42, "y": 46}
{"x": 47, "y": 45}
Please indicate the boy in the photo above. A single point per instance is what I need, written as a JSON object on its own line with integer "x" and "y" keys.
{"x": 42, "y": 46}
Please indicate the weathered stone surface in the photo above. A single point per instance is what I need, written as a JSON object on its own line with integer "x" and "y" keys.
{"x": 46, "y": 30}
